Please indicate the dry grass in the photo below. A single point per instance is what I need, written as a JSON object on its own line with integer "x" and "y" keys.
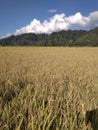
{"x": 47, "y": 88}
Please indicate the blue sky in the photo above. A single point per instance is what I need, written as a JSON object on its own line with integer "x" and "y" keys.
{"x": 23, "y": 16}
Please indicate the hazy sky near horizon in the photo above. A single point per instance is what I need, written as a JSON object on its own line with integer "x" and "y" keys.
{"x": 46, "y": 16}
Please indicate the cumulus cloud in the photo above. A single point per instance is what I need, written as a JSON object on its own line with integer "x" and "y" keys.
{"x": 93, "y": 19}
{"x": 7, "y": 35}
{"x": 52, "y": 10}
{"x": 61, "y": 22}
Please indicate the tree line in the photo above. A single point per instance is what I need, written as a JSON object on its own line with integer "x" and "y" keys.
{"x": 61, "y": 38}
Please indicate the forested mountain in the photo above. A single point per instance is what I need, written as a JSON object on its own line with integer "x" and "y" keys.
{"x": 89, "y": 39}
{"x": 62, "y": 38}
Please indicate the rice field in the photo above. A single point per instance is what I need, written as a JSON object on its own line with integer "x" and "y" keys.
{"x": 47, "y": 88}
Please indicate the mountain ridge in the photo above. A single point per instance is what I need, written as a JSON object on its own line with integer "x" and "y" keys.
{"x": 61, "y": 38}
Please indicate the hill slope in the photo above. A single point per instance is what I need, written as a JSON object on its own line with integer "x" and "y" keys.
{"x": 89, "y": 39}
{"x": 62, "y": 38}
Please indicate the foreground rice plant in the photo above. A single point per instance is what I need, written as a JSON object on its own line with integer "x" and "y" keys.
{"x": 47, "y": 88}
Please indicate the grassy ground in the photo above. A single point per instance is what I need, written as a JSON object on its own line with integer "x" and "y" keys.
{"x": 47, "y": 88}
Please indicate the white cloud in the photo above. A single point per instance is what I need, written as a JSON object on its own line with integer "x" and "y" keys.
{"x": 93, "y": 19}
{"x": 7, "y": 35}
{"x": 52, "y": 10}
{"x": 61, "y": 22}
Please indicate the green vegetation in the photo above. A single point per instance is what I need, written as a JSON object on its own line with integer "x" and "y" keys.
{"x": 62, "y": 38}
{"x": 90, "y": 39}
{"x": 47, "y": 88}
